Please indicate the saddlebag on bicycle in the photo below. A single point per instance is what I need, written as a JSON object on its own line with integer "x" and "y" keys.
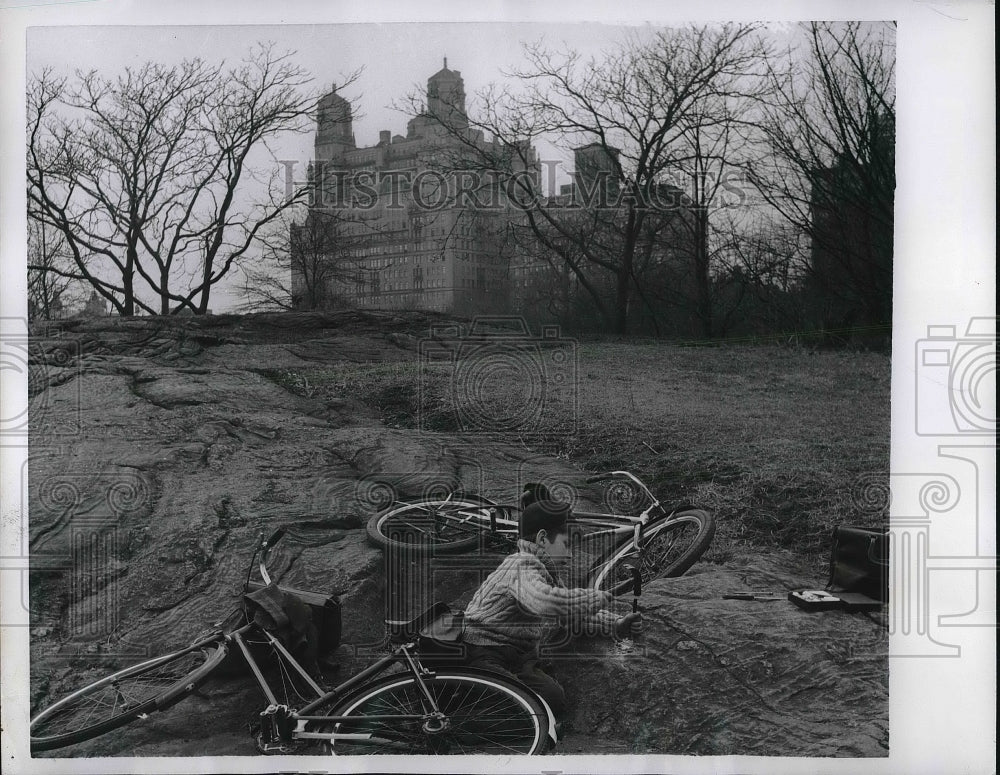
{"x": 281, "y": 608}
{"x": 859, "y": 562}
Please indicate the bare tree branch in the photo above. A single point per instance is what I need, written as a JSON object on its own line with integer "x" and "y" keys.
{"x": 150, "y": 178}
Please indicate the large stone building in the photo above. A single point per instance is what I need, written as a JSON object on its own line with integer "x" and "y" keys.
{"x": 852, "y": 209}
{"x": 413, "y": 222}
{"x": 412, "y": 232}
{"x": 591, "y": 210}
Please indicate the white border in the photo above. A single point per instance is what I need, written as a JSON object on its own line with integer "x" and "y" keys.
{"x": 943, "y": 711}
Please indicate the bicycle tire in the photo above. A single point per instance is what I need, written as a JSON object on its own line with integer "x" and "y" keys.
{"x": 693, "y": 528}
{"x": 417, "y": 527}
{"x": 123, "y": 697}
{"x": 487, "y": 714}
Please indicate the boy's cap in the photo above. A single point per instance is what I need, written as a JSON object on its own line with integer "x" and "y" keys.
{"x": 544, "y": 515}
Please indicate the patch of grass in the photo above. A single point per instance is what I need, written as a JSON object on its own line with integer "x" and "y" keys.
{"x": 780, "y": 443}
{"x": 297, "y": 382}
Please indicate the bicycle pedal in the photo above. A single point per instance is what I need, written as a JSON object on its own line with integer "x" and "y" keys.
{"x": 275, "y": 749}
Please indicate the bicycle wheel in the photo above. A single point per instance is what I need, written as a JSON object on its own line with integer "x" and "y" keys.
{"x": 483, "y": 714}
{"x": 122, "y": 697}
{"x": 446, "y": 526}
{"x": 668, "y": 549}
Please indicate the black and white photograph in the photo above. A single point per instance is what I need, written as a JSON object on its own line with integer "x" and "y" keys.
{"x": 615, "y": 388}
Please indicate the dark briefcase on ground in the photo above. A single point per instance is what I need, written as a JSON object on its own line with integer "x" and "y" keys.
{"x": 859, "y": 562}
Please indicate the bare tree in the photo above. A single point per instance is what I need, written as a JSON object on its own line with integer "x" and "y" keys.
{"x": 50, "y": 290}
{"x": 303, "y": 261}
{"x": 150, "y": 176}
{"x": 716, "y": 145}
{"x": 758, "y": 290}
{"x": 633, "y": 108}
{"x": 830, "y": 130}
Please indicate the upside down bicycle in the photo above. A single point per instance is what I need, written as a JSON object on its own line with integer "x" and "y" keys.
{"x": 423, "y": 702}
{"x": 661, "y": 542}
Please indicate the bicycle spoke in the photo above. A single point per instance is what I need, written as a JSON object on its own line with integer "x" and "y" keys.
{"x": 429, "y": 526}
{"x": 94, "y": 708}
{"x": 440, "y": 528}
{"x": 479, "y": 717}
{"x": 485, "y": 711}
{"x": 402, "y": 702}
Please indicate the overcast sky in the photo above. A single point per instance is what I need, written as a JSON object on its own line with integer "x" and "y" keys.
{"x": 397, "y": 58}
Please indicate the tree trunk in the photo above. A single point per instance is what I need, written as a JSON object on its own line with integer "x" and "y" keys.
{"x": 164, "y": 299}
{"x": 703, "y": 279}
{"x": 624, "y": 284}
{"x": 128, "y": 304}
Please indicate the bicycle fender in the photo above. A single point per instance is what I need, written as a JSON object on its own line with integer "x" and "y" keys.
{"x": 189, "y": 683}
{"x": 543, "y": 703}
{"x": 552, "y": 719}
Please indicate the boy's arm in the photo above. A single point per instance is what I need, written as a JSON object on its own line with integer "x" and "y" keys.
{"x": 539, "y": 597}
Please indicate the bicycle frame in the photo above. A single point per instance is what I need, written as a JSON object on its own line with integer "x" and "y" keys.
{"x": 295, "y": 702}
{"x": 282, "y": 725}
{"x": 287, "y": 725}
{"x": 502, "y": 519}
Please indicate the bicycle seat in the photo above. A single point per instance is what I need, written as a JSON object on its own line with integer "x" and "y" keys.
{"x": 410, "y": 628}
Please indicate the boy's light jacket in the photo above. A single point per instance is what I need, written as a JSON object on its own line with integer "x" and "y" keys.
{"x": 517, "y": 604}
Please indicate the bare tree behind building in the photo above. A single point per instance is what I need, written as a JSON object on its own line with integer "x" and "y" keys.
{"x": 632, "y": 109}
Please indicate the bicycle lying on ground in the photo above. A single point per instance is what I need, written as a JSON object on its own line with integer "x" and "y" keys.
{"x": 445, "y": 710}
{"x": 660, "y": 542}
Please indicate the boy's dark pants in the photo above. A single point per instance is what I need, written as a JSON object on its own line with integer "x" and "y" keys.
{"x": 521, "y": 666}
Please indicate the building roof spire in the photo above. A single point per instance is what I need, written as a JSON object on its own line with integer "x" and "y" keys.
{"x": 446, "y": 63}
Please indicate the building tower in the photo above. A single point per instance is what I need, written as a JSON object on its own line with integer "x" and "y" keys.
{"x": 446, "y": 97}
{"x": 334, "y": 126}
{"x": 596, "y": 174}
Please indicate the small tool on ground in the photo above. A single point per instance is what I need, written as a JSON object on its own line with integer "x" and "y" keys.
{"x": 754, "y": 596}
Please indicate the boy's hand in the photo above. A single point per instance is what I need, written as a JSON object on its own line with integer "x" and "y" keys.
{"x": 629, "y": 626}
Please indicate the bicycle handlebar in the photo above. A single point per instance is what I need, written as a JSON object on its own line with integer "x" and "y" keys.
{"x": 265, "y": 547}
